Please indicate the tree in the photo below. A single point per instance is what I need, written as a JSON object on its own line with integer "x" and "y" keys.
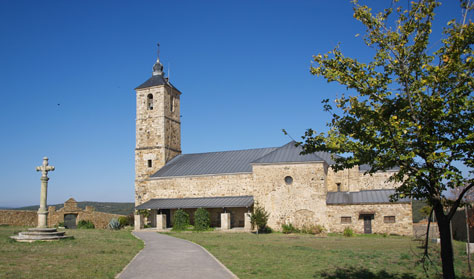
{"x": 410, "y": 107}
{"x": 259, "y": 218}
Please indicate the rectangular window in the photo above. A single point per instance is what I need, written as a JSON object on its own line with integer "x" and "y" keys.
{"x": 346, "y": 220}
{"x": 389, "y": 219}
{"x": 149, "y": 164}
{"x": 338, "y": 187}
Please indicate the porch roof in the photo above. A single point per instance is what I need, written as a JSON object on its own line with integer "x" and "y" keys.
{"x": 203, "y": 202}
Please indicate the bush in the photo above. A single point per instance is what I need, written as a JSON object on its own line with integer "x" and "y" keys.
{"x": 286, "y": 229}
{"x": 313, "y": 229}
{"x": 202, "y": 220}
{"x": 259, "y": 219}
{"x": 85, "y": 224}
{"x": 348, "y": 232}
{"x": 126, "y": 220}
{"x": 181, "y": 220}
{"x": 114, "y": 224}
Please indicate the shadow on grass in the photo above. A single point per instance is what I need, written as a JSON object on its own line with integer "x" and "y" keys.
{"x": 361, "y": 273}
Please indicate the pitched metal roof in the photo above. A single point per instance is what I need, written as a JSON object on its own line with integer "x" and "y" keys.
{"x": 362, "y": 197}
{"x": 205, "y": 202}
{"x": 155, "y": 81}
{"x": 291, "y": 153}
{"x": 237, "y": 161}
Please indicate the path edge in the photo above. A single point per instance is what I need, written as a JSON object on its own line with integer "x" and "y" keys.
{"x": 123, "y": 269}
{"x": 212, "y": 256}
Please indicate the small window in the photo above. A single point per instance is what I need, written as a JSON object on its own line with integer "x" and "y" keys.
{"x": 288, "y": 180}
{"x": 149, "y": 101}
{"x": 150, "y": 164}
{"x": 389, "y": 219}
{"x": 338, "y": 185}
{"x": 171, "y": 103}
{"x": 346, "y": 220}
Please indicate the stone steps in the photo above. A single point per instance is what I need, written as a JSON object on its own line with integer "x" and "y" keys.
{"x": 40, "y": 234}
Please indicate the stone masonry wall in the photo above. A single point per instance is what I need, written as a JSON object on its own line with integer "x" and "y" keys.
{"x": 402, "y": 211}
{"x": 24, "y": 218}
{"x": 158, "y": 130}
{"x": 301, "y": 202}
{"x": 353, "y": 180}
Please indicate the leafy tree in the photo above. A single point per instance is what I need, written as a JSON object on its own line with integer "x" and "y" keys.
{"x": 259, "y": 218}
{"x": 202, "y": 220}
{"x": 180, "y": 220}
{"x": 410, "y": 107}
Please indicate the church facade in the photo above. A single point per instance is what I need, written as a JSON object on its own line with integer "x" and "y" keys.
{"x": 301, "y": 190}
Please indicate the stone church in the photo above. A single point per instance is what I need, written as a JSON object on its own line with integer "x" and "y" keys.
{"x": 295, "y": 189}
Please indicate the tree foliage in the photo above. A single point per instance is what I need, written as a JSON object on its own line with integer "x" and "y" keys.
{"x": 180, "y": 220}
{"x": 411, "y": 107}
{"x": 202, "y": 220}
{"x": 259, "y": 218}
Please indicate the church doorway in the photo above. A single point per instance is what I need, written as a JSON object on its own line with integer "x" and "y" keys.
{"x": 368, "y": 223}
{"x": 70, "y": 221}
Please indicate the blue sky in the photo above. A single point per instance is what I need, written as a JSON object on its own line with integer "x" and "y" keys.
{"x": 68, "y": 70}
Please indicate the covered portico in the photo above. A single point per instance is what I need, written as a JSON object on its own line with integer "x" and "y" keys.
{"x": 225, "y": 212}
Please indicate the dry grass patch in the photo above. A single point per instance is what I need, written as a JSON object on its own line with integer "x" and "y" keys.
{"x": 92, "y": 253}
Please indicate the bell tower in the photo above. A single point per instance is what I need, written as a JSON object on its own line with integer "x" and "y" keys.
{"x": 158, "y": 123}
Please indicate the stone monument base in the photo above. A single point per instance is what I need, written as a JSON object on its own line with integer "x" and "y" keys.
{"x": 40, "y": 234}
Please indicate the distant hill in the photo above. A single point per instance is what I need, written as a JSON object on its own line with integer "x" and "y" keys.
{"x": 123, "y": 208}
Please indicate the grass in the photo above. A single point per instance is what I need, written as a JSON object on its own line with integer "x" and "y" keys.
{"x": 278, "y": 255}
{"x": 92, "y": 253}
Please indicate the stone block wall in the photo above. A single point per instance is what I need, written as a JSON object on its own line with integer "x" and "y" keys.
{"x": 24, "y": 218}
{"x": 403, "y": 224}
{"x": 158, "y": 130}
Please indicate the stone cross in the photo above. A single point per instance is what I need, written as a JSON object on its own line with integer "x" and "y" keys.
{"x": 42, "y": 211}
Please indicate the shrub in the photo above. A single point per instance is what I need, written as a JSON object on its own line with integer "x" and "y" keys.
{"x": 288, "y": 228}
{"x": 124, "y": 221}
{"x": 181, "y": 220}
{"x": 313, "y": 229}
{"x": 202, "y": 220}
{"x": 348, "y": 232}
{"x": 114, "y": 224}
{"x": 85, "y": 224}
{"x": 259, "y": 218}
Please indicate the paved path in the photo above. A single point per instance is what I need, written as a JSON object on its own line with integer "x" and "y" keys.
{"x": 169, "y": 257}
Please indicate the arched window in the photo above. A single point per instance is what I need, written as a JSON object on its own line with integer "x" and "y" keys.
{"x": 149, "y": 101}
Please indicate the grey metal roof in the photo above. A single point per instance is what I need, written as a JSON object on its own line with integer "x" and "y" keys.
{"x": 236, "y": 161}
{"x": 155, "y": 81}
{"x": 291, "y": 153}
{"x": 205, "y": 202}
{"x": 366, "y": 167}
{"x": 362, "y": 197}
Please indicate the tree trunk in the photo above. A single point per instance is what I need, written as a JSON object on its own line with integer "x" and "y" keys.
{"x": 446, "y": 244}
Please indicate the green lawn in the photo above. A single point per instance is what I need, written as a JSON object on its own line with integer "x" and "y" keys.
{"x": 91, "y": 254}
{"x": 304, "y": 256}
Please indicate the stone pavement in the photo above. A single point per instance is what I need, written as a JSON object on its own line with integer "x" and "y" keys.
{"x": 169, "y": 257}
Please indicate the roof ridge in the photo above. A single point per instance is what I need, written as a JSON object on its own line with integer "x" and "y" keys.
{"x": 249, "y": 149}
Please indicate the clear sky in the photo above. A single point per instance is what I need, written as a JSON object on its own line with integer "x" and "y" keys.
{"x": 68, "y": 70}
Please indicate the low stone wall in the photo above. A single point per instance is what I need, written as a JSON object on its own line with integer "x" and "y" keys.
{"x": 24, "y": 218}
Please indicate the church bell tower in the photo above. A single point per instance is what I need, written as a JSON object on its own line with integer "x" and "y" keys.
{"x": 158, "y": 123}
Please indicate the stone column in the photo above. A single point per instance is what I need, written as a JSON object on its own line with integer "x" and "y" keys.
{"x": 43, "y": 211}
{"x": 138, "y": 222}
{"x": 247, "y": 223}
{"x": 161, "y": 221}
{"x": 153, "y": 216}
{"x": 225, "y": 221}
